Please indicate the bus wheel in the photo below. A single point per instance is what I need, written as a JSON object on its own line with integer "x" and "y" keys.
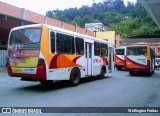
{"x": 149, "y": 74}
{"x": 74, "y": 77}
{"x": 131, "y": 73}
{"x": 102, "y": 73}
{"x": 46, "y": 82}
{"x": 119, "y": 68}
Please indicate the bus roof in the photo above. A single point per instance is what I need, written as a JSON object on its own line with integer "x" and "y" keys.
{"x": 136, "y": 45}
{"x": 122, "y": 47}
{"x": 62, "y": 30}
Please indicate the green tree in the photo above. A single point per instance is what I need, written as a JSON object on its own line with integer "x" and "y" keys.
{"x": 129, "y": 20}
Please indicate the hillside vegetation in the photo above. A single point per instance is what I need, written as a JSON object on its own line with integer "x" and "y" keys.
{"x": 129, "y": 20}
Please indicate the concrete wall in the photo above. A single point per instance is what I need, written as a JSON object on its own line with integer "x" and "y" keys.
{"x": 38, "y": 18}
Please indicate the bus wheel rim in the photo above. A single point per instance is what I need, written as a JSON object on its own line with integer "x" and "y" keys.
{"x": 75, "y": 77}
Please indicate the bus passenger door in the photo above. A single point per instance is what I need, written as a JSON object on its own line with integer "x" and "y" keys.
{"x": 111, "y": 59}
{"x": 88, "y": 58}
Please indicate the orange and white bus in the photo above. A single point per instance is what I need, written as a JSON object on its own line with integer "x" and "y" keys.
{"x": 139, "y": 58}
{"x": 119, "y": 57}
{"x": 45, "y": 53}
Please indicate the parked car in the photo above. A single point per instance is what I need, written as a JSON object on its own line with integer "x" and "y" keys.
{"x": 157, "y": 62}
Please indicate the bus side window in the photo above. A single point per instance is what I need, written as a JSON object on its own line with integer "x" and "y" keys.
{"x": 97, "y": 48}
{"x": 58, "y": 43}
{"x": 64, "y": 44}
{"x": 79, "y": 46}
{"x": 52, "y": 37}
{"x": 104, "y": 49}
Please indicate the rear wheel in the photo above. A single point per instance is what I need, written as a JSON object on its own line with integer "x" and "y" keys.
{"x": 131, "y": 73}
{"x": 74, "y": 77}
{"x": 149, "y": 74}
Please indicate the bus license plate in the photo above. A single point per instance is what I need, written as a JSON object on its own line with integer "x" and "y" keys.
{"x": 23, "y": 60}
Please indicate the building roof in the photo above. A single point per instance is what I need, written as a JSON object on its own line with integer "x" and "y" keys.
{"x": 140, "y": 41}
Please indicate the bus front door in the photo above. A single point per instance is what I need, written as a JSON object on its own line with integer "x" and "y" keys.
{"x": 88, "y": 58}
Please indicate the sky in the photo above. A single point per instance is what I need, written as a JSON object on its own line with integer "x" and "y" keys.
{"x": 42, "y": 6}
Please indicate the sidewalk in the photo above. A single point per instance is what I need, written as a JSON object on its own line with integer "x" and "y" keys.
{"x": 3, "y": 69}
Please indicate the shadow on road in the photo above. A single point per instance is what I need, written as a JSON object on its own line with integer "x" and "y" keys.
{"x": 57, "y": 85}
{"x": 44, "y": 88}
{"x": 145, "y": 75}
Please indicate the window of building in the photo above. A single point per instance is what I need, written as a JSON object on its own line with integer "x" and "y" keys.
{"x": 65, "y": 44}
{"x": 97, "y": 48}
{"x": 52, "y": 37}
{"x": 79, "y": 46}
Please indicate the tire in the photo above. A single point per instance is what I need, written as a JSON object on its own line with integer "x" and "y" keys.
{"x": 131, "y": 73}
{"x": 119, "y": 68}
{"x": 102, "y": 73}
{"x": 74, "y": 77}
{"x": 149, "y": 74}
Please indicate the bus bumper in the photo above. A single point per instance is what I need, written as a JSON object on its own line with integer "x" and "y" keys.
{"x": 137, "y": 69}
{"x": 119, "y": 65}
{"x": 39, "y": 75}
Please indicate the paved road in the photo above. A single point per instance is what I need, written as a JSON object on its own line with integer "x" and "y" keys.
{"x": 119, "y": 89}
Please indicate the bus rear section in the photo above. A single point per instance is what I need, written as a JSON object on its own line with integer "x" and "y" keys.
{"x": 139, "y": 59}
{"x": 45, "y": 53}
{"x": 119, "y": 58}
{"x": 24, "y": 54}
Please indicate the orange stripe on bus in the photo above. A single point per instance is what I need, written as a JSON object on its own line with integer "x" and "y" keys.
{"x": 62, "y": 61}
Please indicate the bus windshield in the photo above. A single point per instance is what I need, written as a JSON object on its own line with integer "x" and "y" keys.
{"x": 119, "y": 51}
{"x": 25, "y": 36}
{"x": 137, "y": 50}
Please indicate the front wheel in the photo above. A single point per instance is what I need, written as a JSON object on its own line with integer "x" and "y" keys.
{"x": 102, "y": 73}
{"x": 74, "y": 77}
{"x": 119, "y": 68}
